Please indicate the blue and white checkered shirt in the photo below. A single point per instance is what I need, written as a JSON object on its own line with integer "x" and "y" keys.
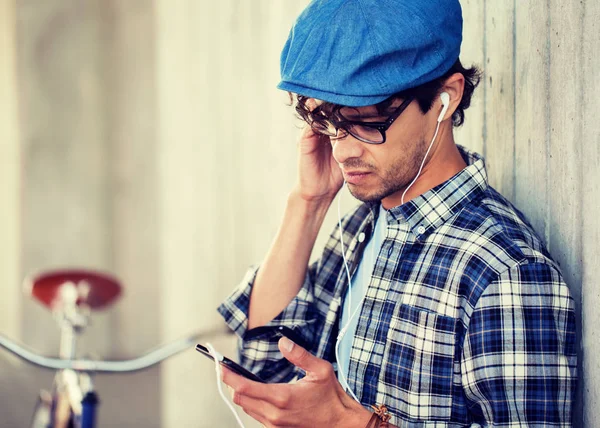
{"x": 466, "y": 320}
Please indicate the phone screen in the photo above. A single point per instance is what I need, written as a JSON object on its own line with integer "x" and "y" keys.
{"x": 231, "y": 365}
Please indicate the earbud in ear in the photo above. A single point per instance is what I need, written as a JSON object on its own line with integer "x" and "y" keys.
{"x": 445, "y": 97}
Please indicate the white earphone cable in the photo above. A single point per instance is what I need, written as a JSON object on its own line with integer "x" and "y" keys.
{"x": 218, "y": 358}
{"x": 341, "y": 229}
{"x": 437, "y": 128}
{"x": 342, "y": 332}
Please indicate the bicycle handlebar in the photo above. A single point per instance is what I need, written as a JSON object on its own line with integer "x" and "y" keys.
{"x": 123, "y": 366}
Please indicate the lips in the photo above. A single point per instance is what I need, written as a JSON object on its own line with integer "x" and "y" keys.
{"x": 356, "y": 177}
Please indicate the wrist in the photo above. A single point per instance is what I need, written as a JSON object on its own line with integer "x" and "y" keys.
{"x": 355, "y": 416}
{"x": 312, "y": 201}
{"x": 303, "y": 220}
{"x": 309, "y": 207}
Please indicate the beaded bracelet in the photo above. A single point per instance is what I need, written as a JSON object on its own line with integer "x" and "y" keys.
{"x": 379, "y": 418}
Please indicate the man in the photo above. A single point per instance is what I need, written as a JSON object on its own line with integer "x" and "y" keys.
{"x": 456, "y": 315}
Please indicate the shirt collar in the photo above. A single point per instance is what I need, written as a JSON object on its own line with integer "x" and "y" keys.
{"x": 428, "y": 211}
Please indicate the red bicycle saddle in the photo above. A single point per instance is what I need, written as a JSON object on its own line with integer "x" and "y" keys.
{"x": 94, "y": 289}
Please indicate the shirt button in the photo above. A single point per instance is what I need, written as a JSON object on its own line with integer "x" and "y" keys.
{"x": 361, "y": 237}
{"x": 421, "y": 230}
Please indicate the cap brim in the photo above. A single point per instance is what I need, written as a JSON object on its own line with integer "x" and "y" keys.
{"x": 340, "y": 99}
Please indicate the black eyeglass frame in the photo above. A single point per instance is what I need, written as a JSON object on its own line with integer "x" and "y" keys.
{"x": 382, "y": 127}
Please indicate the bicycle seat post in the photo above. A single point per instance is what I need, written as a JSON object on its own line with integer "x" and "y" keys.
{"x": 72, "y": 317}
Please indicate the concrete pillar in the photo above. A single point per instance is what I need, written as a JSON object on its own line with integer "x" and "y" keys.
{"x": 129, "y": 82}
{"x": 10, "y": 177}
{"x": 65, "y": 190}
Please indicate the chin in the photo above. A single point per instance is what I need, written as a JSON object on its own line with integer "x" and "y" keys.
{"x": 375, "y": 194}
{"x": 364, "y": 195}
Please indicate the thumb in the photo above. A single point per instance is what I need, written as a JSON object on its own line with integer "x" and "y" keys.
{"x": 299, "y": 356}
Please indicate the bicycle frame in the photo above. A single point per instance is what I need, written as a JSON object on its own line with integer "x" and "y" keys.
{"x": 72, "y": 295}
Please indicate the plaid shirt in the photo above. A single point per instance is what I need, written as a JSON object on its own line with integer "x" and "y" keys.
{"x": 467, "y": 319}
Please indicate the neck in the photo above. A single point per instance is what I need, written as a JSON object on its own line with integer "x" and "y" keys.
{"x": 443, "y": 162}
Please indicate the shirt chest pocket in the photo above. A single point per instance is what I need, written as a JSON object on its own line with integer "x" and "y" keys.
{"x": 418, "y": 365}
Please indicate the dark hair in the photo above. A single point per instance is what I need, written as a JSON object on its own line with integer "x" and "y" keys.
{"x": 424, "y": 95}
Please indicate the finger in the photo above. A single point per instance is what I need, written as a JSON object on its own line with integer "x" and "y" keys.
{"x": 308, "y": 132}
{"x": 300, "y": 357}
{"x": 311, "y": 103}
{"x": 239, "y": 383}
{"x": 263, "y": 412}
{"x": 260, "y": 408}
{"x": 260, "y": 419}
{"x": 260, "y": 391}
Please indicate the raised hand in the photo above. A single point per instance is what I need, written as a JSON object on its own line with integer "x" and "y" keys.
{"x": 319, "y": 176}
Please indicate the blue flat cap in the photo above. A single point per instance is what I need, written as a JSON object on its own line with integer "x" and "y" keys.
{"x": 360, "y": 52}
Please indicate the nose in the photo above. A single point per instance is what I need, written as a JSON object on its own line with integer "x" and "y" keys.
{"x": 345, "y": 148}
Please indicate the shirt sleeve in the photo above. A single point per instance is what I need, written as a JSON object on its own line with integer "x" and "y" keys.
{"x": 519, "y": 364}
{"x": 258, "y": 350}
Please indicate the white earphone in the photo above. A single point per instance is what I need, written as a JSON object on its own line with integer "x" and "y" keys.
{"x": 445, "y": 97}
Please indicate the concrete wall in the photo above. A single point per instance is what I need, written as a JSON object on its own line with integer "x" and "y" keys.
{"x": 535, "y": 120}
{"x": 147, "y": 138}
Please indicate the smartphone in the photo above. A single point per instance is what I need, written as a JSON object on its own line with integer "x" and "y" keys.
{"x": 231, "y": 365}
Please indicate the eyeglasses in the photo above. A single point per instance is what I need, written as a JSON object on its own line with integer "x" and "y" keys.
{"x": 370, "y": 132}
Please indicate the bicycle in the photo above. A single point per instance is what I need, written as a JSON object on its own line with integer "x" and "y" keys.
{"x": 73, "y": 295}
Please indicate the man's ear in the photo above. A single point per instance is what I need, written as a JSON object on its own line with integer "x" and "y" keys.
{"x": 454, "y": 86}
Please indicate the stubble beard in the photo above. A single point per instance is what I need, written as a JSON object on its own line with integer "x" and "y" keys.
{"x": 394, "y": 179}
